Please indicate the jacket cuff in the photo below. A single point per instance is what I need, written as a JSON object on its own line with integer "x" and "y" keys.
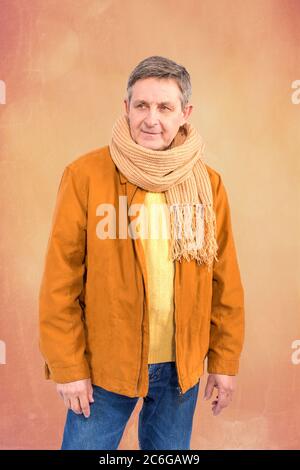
{"x": 220, "y": 366}
{"x": 67, "y": 374}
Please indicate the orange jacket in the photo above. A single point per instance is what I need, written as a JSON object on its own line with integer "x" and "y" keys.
{"x": 93, "y": 318}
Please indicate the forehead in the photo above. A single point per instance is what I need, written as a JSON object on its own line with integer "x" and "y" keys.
{"x": 156, "y": 89}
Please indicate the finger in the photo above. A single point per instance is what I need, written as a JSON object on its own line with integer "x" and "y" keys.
{"x": 91, "y": 399}
{"x": 219, "y": 404}
{"x": 85, "y": 406}
{"x": 59, "y": 391}
{"x": 209, "y": 388}
{"x": 67, "y": 401}
{"x": 75, "y": 405}
{"x": 216, "y": 408}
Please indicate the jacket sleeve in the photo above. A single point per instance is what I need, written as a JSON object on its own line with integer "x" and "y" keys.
{"x": 227, "y": 309}
{"x": 61, "y": 326}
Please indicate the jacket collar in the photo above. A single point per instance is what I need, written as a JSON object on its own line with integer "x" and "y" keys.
{"x": 131, "y": 189}
{"x": 123, "y": 178}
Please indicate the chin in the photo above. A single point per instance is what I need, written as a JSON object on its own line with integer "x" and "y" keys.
{"x": 153, "y": 145}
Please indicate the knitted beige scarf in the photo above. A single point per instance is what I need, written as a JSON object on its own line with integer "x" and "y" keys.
{"x": 179, "y": 172}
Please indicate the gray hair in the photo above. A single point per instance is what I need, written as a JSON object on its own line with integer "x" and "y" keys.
{"x": 162, "y": 67}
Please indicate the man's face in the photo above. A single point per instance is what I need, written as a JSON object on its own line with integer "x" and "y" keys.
{"x": 155, "y": 112}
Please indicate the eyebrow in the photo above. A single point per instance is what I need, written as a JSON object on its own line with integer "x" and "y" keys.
{"x": 167, "y": 103}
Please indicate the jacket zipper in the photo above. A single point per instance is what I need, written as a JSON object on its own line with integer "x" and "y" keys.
{"x": 180, "y": 389}
{"x": 142, "y": 342}
{"x": 144, "y": 297}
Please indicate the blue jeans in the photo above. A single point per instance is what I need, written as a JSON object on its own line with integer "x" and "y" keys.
{"x": 165, "y": 420}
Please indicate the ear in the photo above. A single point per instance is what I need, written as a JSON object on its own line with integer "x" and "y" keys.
{"x": 126, "y": 105}
{"x": 186, "y": 113}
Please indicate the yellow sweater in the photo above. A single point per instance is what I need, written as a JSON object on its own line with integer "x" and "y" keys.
{"x": 160, "y": 272}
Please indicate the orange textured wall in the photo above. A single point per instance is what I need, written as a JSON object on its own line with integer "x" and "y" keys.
{"x": 63, "y": 72}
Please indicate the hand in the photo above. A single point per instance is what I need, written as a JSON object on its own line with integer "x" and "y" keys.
{"x": 225, "y": 385}
{"x": 77, "y": 395}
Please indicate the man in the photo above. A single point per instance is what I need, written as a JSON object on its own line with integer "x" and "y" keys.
{"x": 124, "y": 315}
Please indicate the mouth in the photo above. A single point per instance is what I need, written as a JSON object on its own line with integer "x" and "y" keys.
{"x": 151, "y": 133}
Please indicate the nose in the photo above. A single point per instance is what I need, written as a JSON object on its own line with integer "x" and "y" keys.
{"x": 151, "y": 119}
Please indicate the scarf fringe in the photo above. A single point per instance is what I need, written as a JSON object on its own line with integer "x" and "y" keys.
{"x": 193, "y": 228}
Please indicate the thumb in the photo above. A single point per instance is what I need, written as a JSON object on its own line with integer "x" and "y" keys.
{"x": 209, "y": 388}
